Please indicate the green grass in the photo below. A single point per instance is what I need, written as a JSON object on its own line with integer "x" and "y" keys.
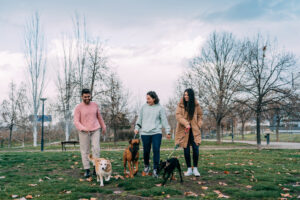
{"x": 267, "y": 171}
{"x": 282, "y": 137}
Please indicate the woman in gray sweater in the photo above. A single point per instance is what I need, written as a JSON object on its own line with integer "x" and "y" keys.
{"x": 149, "y": 124}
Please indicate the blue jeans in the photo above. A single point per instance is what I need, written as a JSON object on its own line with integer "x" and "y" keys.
{"x": 156, "y": 141}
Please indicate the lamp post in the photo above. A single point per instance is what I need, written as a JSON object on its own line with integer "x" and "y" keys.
{"x": 42, "y": 138}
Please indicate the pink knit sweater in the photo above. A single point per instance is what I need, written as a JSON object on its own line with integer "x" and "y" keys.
{"x": 88, "y": 117}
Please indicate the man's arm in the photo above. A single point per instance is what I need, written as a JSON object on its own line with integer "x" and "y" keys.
{"x": 77, "y": 122}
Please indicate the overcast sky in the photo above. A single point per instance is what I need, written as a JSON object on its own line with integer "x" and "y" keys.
{"x": 148, "y": 42}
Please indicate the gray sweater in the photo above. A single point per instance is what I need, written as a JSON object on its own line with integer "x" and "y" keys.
{"x": 152, "y": 119}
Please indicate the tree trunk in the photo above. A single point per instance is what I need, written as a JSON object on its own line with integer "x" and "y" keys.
{"x": 277, "y": 128}
{"x": 242, "y": 131}
{"x": 10, "y": 135}
{"x": 218, "y": 131}
{"x": 115, "y": 135}
{"x": 258, "y": 118}
{"x": 35, "y": 133}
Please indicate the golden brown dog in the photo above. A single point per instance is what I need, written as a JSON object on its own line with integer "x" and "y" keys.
{"x": 131, "y": 156}
{"x": 103, "y": 168}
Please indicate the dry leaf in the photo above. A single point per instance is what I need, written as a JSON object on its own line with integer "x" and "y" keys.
{"x": 190, "y": 194}
{"x": 223, "y": 196}
{"x": 60, "y": 178}
{"x": 249, "y": 186}
{"x": 222, "y": 183}
{"x": 81, "y": 179}
{"x": 93, "y": 198}
{"x": 119, "y": 177}
{"x": 40, "y": 180}
{"x": 226, "y": 172}
{"x": 168, "y": 196}
{"x": 201, "y": 182}
{"x": 89, "y": 179}
{"x": 158, "y": 185}
{"x": 75, "y": 163}
{"x": 47, "y": 178}
{"x": 32, "y": 185}
{"x": 194, "y": 178}
{"x": 2, "y": 177}
{"x": 29, "y": 196}
{"x": 14, "y": 196}
{"x": 204, "y": 188}
{"x": 286, "y": 195}
{"x": 285, "y": 189}
{"x": 236, "y": 172}
{"x": 117, "y": 192}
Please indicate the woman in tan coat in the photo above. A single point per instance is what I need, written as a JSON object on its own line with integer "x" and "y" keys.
{"x": 189, "y": 118}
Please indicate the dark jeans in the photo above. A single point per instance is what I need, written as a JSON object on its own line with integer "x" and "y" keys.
{"x": 186, "y": 151}
{"x": 156, "y": 141}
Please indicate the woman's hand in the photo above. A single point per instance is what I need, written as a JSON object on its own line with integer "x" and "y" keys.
{"x": 168, "y": 136}
{"x": 136, "y": 131}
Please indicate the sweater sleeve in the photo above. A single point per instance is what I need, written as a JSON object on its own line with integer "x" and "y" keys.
{"x": 181, "y": 118}
{"x": 100, "y": 119}
{"x": 77, "y": 122}
{"x": 138, "y": 124}
{"x": 164, "y": 120}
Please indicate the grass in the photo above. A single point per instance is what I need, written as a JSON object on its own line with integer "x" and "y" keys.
{"x": 248, "y": 174}
{"x": 282, "y": 137}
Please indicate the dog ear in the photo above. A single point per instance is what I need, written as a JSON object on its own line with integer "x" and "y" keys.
{"x": 167, "y": 164}
{"x": 130, "y": 141}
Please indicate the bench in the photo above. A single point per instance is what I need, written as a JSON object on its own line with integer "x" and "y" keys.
{"x": 63, "y": 144}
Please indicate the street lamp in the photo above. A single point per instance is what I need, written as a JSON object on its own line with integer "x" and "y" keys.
{"x": 42, "y": 138}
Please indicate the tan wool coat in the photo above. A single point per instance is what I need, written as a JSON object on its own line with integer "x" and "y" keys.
{"x": 181, "y": 137}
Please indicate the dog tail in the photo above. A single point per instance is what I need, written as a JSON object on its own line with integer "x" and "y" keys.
{"x": 91, "y": 157}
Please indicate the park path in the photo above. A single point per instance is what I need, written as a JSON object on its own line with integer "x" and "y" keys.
{"x": 272, "y": 145}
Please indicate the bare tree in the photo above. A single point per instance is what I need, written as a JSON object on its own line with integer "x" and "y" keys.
{"x": 66, "y": 83}
{"x": 244, "y": 115}
{"x": 97, "y": 70}
{"x": 13, "y": 109}
{"x": 81, "y": 51}
{"x": 215, "y": 75}
{"x": 36, "y": 64}
{"x": 117, "y": 103}
{"x": 171, "y": 112}
{"x": 268, "y": 77}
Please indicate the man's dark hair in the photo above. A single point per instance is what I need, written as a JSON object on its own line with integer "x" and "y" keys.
{"x": 154, "y": 96}
{"x": 85, "y": 91}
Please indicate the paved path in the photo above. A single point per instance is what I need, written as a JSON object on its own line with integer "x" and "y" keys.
{"x": 272, "y": 145}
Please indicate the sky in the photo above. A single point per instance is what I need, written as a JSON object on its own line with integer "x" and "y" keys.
{"x": 148, "y": 43}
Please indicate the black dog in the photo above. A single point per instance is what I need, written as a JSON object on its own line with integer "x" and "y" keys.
{"x": 169, "y": 167}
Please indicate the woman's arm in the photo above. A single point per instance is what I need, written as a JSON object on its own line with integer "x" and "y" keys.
{"x": 138, "y": 124}
{"x": 180, "y": 118}
{"x": 164, "y": 120}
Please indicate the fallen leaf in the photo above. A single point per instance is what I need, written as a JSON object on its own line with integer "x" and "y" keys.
{"x": 204, "y": 188}
{"x": 117, "y": 192}
{"x": 194, "y": 178}
{"x": 60, "y": 178}
{"x": 2, "y": 177}
{"x": 202, "y": 195}
{"x": 201, "y": 182}
{"x": 158, "y": 185}
{"x": 22, "y": 198}
{"x": 236, "y": 172}
{"x": 249, "y": 186}
{"x": 285, "y": 189}
{"x": 14, "y": 196}
{"x": 89, "y": 179}
{"x": 32, "y": 185}
{"x": 286, "y": 195}
{"x": 47, "y": 178}
{"x": 211, "y": 163}
{"x": 168, "y": 196}
{"x": 40, "y": 180}
{"x": 190, "y": 194}
{"x": 83, "y": 199}
{"x": 220, "y": 195}
{"x": 226, "y": 172}
{"x": 93, "y": 198}
{"x": 29, "y": 196}
{"x": 119, "y": 177}
{"x": 81, "y": 179}
{"x": 75, "y": 163}
{"x": 228, "y": 164}
{"x": 222, "y": 183}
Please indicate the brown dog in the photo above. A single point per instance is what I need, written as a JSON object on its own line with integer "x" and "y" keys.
{"x": 131, "y": 156}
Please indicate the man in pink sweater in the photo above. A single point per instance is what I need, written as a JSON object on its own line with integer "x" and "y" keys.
{"x": 88, "y": 121}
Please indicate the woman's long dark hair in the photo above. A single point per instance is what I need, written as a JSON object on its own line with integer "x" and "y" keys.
{"x": 189, "y": 106}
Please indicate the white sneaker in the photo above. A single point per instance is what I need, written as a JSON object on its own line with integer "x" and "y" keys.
{"x": 195, "y": 171}
{"x": 189, "y": 172}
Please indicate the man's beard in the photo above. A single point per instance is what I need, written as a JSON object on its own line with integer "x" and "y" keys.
{"x": 87, "y": 101}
